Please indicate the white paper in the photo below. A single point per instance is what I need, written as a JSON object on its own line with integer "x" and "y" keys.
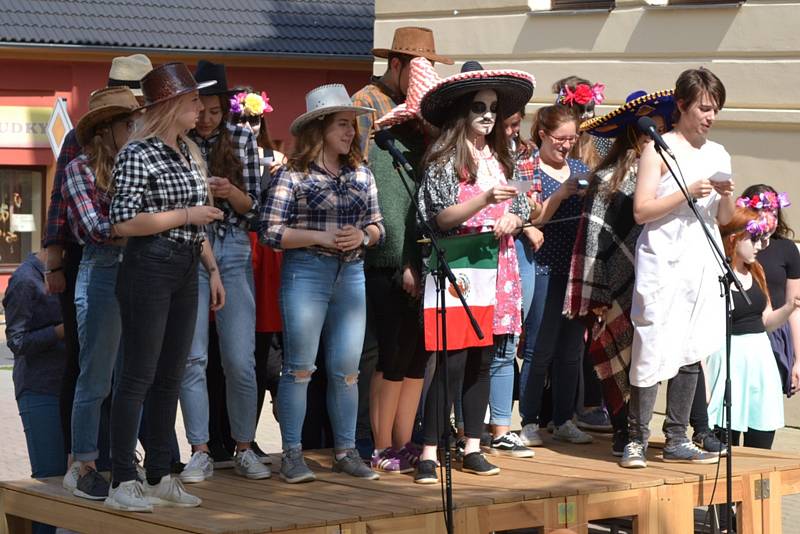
{"x": 720, "y": 176}
{"x": 23, "y": 222}
{"x": 522, "y": 186}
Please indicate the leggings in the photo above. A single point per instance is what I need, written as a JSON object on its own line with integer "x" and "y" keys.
{"x": 473, "y": 365}
{"x": 758, "y": 439}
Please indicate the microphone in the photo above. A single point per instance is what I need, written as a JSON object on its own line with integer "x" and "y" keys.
{"x": 648, "y": 127}
{"x": 385, "y": 141}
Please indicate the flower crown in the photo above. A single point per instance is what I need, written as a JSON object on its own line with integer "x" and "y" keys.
{"x": 765, "y": 201}
{"x": 581, "y": 95}
{"x": 250, "y": 104}
{"x": 765, "y": 224}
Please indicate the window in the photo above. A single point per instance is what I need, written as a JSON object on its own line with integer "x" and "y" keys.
{"x": 573, "y": 5}
{"x": 20, "y": 214}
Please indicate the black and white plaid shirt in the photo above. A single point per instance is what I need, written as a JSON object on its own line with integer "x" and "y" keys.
{"x": 151, "y": 177}
{"x": 244, "y": 142}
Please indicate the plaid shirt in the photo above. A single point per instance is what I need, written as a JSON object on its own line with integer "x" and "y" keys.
{"x": 527, "y": 168}
{"x": 377, "y": 96}
{"x": 87, "y": 206}
{"x": 150, "y": 177}
{"x": 57, "y": 232}
{"x": 247, "y": 149}
{"x": 315, "y": 200}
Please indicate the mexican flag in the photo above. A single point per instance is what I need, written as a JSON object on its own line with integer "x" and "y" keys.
{"x": 473, "y": 259}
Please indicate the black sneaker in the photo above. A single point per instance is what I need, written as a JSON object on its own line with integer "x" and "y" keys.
{"x": 710, "y": 443}
{"x": 619, "y": 442}
{"x": 476, "y": 463}
{"x": 222, "y": 458}
{"x": 509, "y": 444}
{"x": 263, "y": 457}
{"x": 92, "y": 486}
{"x": 426, "y": 472}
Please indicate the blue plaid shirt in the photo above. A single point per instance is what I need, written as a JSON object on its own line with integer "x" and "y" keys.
{"x": 315, "y": 200}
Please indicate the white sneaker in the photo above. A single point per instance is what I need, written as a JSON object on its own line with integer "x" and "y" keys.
{"x": 530, "y": 435}
{"x": 571, "y": 433}
{"x": 70, "y": 481}
{"x": 170, "y": 492}
{"x": 128, "y": 497}
{"x": 199, "y": 468}
{"x": 247, "y": 464}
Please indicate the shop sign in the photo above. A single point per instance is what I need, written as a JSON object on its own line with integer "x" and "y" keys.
{"x": 24, "y": 126}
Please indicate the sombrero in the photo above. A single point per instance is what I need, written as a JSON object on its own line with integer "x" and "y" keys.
{"x": 514, "y": 89}
{"x": 324, "y": 100}
{"x": 638, "y": 104}
{"x": 421, "y": 77}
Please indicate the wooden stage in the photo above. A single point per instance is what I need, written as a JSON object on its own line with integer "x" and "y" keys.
{"x": 563, "y": 486}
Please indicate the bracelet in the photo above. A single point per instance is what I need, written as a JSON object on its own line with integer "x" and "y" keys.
{"x": 54, "y": 270}
{"x": 187, "y": 216}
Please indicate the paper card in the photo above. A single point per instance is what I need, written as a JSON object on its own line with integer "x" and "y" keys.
{"x": 720, "y": 176}
{"x": 23, "y": 222}
{"x": 522, "y": 186}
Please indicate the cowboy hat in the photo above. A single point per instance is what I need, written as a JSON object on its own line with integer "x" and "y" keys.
{"x": 169, "y": 81}
{"x": 207, "y": 71}
{"x": 324, "y": 100}
{"x": 104, "y": 105}
{"x": 638, "y": 104}
{"x": 514, "y": 89}
{"x": 421, "y": 77}
{"x": 128, "y": 71}
{"x": 413, "y": 41}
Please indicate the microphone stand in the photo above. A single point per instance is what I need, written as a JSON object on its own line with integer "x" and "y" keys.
{"x": 725, "y": 281}
{"x": 443, "y": 275}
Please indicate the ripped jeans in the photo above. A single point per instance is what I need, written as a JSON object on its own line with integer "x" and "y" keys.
{"x": 321, "y": 298}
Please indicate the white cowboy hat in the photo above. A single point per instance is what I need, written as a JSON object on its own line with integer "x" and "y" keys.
{"x": 324, "y": 100}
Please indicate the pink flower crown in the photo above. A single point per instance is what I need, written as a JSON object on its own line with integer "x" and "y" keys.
{"x": 765, "y": 224}
{"x": 582, "y": 94}
{"x": 250, "y": 104}
{"x": 765, "y": 201}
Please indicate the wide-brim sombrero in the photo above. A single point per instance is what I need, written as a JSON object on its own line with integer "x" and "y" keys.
{"x": 638, "y": 104}
{"x": 514, "y": 90}
{"x": 421, "y": 78}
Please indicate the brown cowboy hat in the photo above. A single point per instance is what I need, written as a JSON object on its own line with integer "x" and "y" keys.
{"x": 105, "y": 105}
{"x": 415, "y": 42}
{"x": 169, "y": 81}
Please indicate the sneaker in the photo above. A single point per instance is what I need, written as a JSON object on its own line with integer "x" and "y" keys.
{"x": 426, "y": 472}
{"x": 128, "y": 497}
{"x": 170, "y": 492}
{"x": 390, "y": 461}
{"x": 222, "y": 458}
{"x": 618, "y": 443}
{"x": 262, "y": 456}
{"x": 509, "y": 444}
{"x": 138, "y": 460}
{"x": 352, "y": 464}
{"x": 92, "y": 486}
{"x": 199, "y": 468}
{"x": 709, "y": 442}
{"x": 294, "y": 468}
{"x": 70, "y": 480}
{"x": 486, "y": 439}
{"x": 529, "y": 435}
{"x": 634, "y": 455}
{"x": 247, "y": 464}
{"x": 461, "y": 445}
{"x": 571, "y": 433}
{"x": 411, "y": 452}
{"x": 689, "y": 453}
{"x": 551, "y": 427}
{"x": 595, "y": 419}
{"x": 476, "y": 463}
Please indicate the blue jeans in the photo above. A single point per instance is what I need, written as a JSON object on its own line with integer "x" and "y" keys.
{"x": 552, "y": 339}
{"x": 236, "y": 326}
{"x": 99, "y": 332}
{"x": 501, "y": 372}
{"x": 321, "y": 297}
{"x": 527, "y": 272}
{"x": 41, "y": 420}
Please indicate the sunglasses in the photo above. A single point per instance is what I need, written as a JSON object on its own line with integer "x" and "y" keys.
{"x": 479, "y": 108}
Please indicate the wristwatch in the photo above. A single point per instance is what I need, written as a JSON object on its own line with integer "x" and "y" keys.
{"x": 365, "y": 242}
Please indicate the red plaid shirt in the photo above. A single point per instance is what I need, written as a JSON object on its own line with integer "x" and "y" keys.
{"x": 58, "y": 232}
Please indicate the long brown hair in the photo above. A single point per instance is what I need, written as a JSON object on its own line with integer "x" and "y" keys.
{"x": 101, "y": 155}
{"x": 621, "y": 157}
{"x": 223, "y": 159}
{"x": 735, "y": 231}
{"x": 308, "y": 145}
{"x": 453, "y": 140}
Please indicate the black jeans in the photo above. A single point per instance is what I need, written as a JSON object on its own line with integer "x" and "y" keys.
{"x": 72, "y": 260}
{"x": 698, "y": 417}
{"x": 157, "y": 293}
{"x": 470, "y": 369}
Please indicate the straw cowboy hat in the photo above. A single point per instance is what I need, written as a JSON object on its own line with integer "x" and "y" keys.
{"x": 105, "y": 105}
{"x": 638, "y": 104}
{"x": 324, "y": 100}
{"x": 514, "y": 89}
{"x": 128, "y": 71}
{"x": 421, "y": 77}
{"x": 413, "y": 41}
{"x": 168, "y": 81}
{"x": 207, "y": 71}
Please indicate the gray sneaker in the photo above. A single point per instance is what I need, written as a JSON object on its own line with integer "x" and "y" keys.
{"x": 689, "y": 453}
{"x": 247, "y": 464}
{"x": 571, "y": 433}
{"x": 70, "y": 480}
{"x": 128, "y": 497}
{"x": 634, "y": 455}
{"x": 294, "y": 468}
{"x": 199, "y": 468}
{"x": 353, "y": 465}
{"x": 92, "y": 486}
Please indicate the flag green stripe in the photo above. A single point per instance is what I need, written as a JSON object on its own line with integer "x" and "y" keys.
{"x": 473, "y": 251}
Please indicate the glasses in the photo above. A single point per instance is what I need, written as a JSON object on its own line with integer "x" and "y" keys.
{"x": 479, "y": 108}
{"x": 563, "y": 140}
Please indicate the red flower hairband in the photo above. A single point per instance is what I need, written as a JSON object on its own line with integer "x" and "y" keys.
{"x": 582, "y": 94}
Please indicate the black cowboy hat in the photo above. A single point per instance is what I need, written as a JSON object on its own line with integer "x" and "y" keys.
{"x": 207, "y": 71}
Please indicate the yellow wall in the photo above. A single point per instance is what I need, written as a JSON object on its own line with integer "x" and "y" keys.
{"x": 754, "y": 49}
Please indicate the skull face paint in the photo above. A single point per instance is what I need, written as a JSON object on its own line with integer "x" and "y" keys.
{"x": 483, "y": 112}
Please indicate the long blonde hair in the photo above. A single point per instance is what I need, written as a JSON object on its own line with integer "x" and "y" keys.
{"x": 157, "y": 121}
